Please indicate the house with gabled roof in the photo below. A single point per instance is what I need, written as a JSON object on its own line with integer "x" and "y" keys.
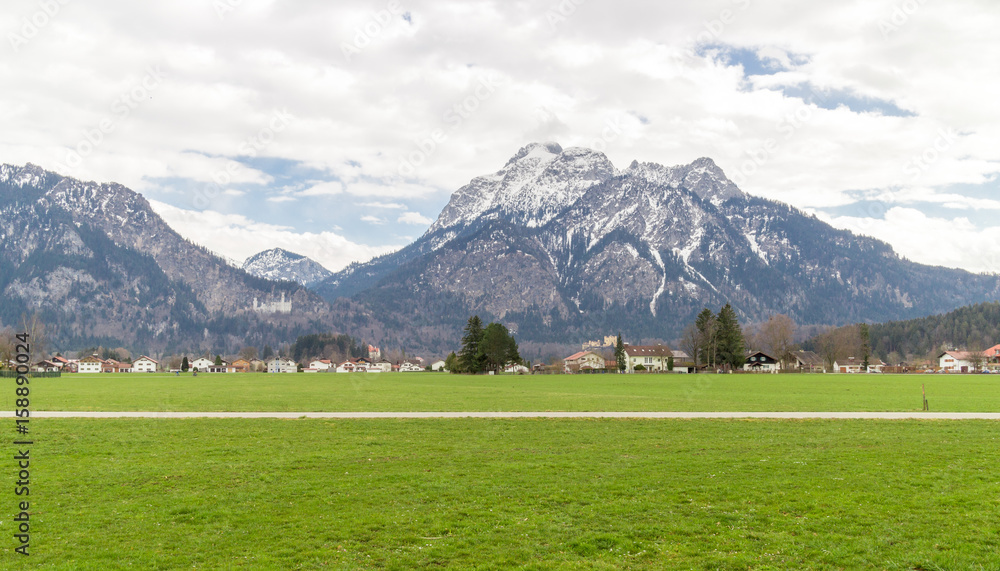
{"x": 145, "y": 364}
{"x": 651, "y": 357}
{"x": 240, "y": 366}
{"x": 321, "y": 364}
{"x": 201, "y": 364}
{"x": 90, "y": 364}
{"x": 583, "y": 360}
{"x": 956, "y": 362}
{"x": 808, "y": 361}
{"x": 282, "y": 365}
{"x": 761, "y": 362}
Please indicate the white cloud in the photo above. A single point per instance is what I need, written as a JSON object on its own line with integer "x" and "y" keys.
{"x": 323, "y": 189}
{"x": 954, "y": 243}
{"x": 238, "y": 237}
{"x": 372, "y": 219}
{"x": 383, "y": 205}
{"x": 414, "y": 218}
{"x": 365, "y": 119}
{"x": 282, "y": 198}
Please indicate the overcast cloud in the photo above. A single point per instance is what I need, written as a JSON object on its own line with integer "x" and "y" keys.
{"x": 339, "y": 130}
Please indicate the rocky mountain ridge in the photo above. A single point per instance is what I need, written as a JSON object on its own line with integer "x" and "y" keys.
{"x": 282, "y": 265}
{"x": 560, "y": 243}
{"x": 99, "y": 265}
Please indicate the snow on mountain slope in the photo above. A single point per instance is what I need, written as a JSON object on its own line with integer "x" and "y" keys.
{"x": 279, "y": 264}
{"x": 535, "y": 185}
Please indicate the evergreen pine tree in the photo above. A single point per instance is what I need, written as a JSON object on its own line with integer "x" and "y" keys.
{"x": 468, "y": 356}
{"x": 185, "y": 365}
{"x": 620, "y": 353}
{"x": 731, "y": 346}
{"x": 865, "y": 344}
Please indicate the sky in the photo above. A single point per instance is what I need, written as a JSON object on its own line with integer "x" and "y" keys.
{"x": 340, "y": 130}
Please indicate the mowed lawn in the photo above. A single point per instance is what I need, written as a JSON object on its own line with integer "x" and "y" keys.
{"x": 443, "y": 392}
{"x": 502, "y": 494}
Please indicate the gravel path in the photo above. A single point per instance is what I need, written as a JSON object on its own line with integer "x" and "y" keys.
{"x": 488, "y": 414}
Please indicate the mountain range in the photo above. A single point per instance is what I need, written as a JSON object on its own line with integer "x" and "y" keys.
{"x": 100, "y": 267}
{"x": 559, "y": 244}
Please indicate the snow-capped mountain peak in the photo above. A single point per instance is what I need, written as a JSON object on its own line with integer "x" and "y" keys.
{"x": 536, "y": 184}
{"x": 279, "y": 264}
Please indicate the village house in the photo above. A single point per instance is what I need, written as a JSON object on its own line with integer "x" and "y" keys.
{"x": 855, "y": 365}
{"x": 257, "y": 366}
{"x": 145, "y": 364}
{"x": 438, "y": 366}
{"x": 240, "y": 366}
{"x": 956, "y": 362}
{"x": 380, "y": 367}
{"x": 46, "y": 367}
{"x": 91, "y": 364}
{"x": 651, "y": 357}
{"x": 408, "y": 367}
{"x": 582, "y": 360}
{"x": 761, "y": 362}
{"x": 122, "y": 367}
{"x": 222, "y": 367}
{"x": 321, "y": 364}
{"x": 350, "y": 366}
{"x": 358, "y": 365}
{"x": 807, "y": 361}
{"x": 282, "y": 365}
{"x": 516, "y": 368}
{"x": 683, "y": 363}
{"x": 201, "y": 364}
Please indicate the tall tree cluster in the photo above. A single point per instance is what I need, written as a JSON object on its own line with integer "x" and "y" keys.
{"x": 489, "y": 348}
{"x": 716, "y": 339}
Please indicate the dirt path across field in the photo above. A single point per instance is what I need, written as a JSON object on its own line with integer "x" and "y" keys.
{"x": 489, "y": 414}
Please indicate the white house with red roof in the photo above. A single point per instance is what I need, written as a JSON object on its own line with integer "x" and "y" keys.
{"x": 651, "y": 357}
{"x": 583, "y": 360}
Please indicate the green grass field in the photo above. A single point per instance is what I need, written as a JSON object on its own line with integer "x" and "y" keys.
{"x": 501, "y": 494}
{"x": 444, "y": 392}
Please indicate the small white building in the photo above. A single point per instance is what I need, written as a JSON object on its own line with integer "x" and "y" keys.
{"x": 282, "y": 365}
{"x": 145, "y": 364}
{"x": 438, "y": 366}
{"x": 956, "y": 362}
{"x": 380, "y": 367}
{"x": 516, "y": 368}
{"x": 854, "y": 365}
{"x": 91, "y": 364}
{"x": 651, "y": 357}
{"x": 321, "y": 365}
{"x": 201, "y": 364}
{"x": 408, "y": 367}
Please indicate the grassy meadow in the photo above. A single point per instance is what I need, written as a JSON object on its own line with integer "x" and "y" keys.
{"x": 329, "y": 392}
{"x": 502, "y": 494}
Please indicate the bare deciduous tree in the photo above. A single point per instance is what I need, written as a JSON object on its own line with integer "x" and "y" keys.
{"x": 777, "y": 337}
